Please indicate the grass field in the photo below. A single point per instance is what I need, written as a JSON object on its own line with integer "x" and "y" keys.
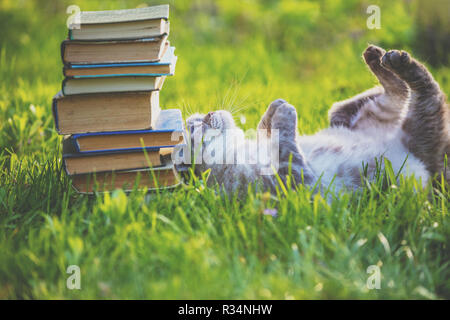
{"x": 193, "y": 243}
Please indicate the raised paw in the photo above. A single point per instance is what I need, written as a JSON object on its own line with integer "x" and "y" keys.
{"x": 266, "y": 119}
{"x": 285, "y": 120}
{"x": 396, "y": 60}
{"x": 373, "y": 54}
{"x": 274, "y": 106}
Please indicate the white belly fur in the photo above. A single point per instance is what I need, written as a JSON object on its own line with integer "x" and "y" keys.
{"x": 339, "y": 154}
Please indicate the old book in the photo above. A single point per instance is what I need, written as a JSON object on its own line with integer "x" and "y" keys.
{"x": 155, "y": 178}
{"x": 74, "y": 86}
{"x": 105, "y": 112}
{"x": 164, "y": 67}
{"x": 94, "y": 52}
{"x": 121, "y": 24}
{"x": 168, "y": 132}
{"x": 125, "y": 15}
{"x": 78, "y": 163}
{"x": 121, "y": 31}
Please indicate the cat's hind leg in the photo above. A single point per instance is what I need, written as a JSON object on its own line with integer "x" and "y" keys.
{"x": 427, "y": 124}
{"x": 378, "y": 106}
{"x": 396, "y": 90}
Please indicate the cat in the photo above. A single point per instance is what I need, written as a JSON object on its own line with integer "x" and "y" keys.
{"x": 405, "y": 120}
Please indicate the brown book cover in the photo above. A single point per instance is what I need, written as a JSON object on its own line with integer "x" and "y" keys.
{"x": 164, "y": 67}
{"x": 168, "y": 132}
{"x": 78, "y": 163}
{"x": 92, "y": 52}
{"x": 128, "y": 30}
{"x": 149, "y": 179}
{"x": 74, "y": 86}
{"x": 105, "y": 112}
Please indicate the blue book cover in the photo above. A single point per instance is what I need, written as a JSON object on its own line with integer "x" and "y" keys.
{"x": 169, "y": 121}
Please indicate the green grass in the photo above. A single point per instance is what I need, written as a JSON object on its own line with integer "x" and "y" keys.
{"x": 193, "y": 242}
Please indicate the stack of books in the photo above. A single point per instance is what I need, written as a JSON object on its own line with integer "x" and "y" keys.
{"x": 115, "y": 133}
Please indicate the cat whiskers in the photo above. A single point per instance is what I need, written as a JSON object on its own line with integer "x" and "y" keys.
{"x": 236, "y": 110}
{"x": 187, "y": 109}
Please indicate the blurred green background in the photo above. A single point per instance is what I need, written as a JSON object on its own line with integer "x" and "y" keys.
{"x": 238, "y": 55}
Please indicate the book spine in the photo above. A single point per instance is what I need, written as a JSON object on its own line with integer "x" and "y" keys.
{"x": 63, "y": 49}
{"x": 75, "y": 144}
{"x": 65, "y": 167}
{"x": 63, "y": 85}
{"x": 55, "y": 114}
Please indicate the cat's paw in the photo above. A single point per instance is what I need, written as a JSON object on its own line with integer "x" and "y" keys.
{"x": 286, "y": 112}
{"x": 285, "y": 120}
{"x": 266, "y": 119}
{"x": 274, "y": 106}
{"x": 373, "y": 54}
{"x": 396, "y": 60}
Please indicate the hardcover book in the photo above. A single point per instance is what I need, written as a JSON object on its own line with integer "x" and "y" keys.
{"x": 121, "y": 24}
{"x": 124, "y": 15}
{"x": 144, "y": 83}
{"x": 95, "y": 52}
{"x": 102, "y": 112}
{"x": 78, "y": 163}
{"x": 168, "y": 132}
{"x": 155, "y": 178}
{"x": 164, "y": 67}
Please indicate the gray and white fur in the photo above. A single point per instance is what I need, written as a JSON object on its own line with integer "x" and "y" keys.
{"x": 405, "y": 120}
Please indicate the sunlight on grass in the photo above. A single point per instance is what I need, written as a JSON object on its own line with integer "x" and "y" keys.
{"x": 195, "y": 243}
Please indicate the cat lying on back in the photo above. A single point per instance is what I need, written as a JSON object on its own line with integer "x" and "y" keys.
{"x": 405, "y": 120}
